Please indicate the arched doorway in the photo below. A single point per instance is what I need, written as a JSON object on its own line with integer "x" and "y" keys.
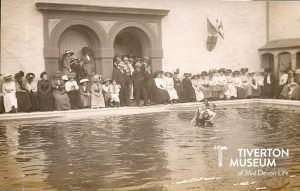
{"x": 74, "y": 39}
{"x": 132, "y": 40}
{"x": 284, "y": 61}
{"x": 267, "y": 60}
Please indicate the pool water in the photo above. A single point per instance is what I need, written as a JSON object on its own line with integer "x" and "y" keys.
{"x": 155, "y": 151}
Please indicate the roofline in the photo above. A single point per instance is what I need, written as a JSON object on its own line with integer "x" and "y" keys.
{"x": 100, "y": 9}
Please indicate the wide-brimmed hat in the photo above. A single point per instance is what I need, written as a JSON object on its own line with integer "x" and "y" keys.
{"x": 194, "y": 75}
{"x": 244, "y": 70}
{"x": 228, "y": 71}
{"x": 204, "y": 73}
{"x": 236, "y": 72}
{"x": 30, "y": 75}
{"x": 68, "y": 52}
{"x": 96, "y": 78}
{"x": 138, "y": 64}
{"x": 222, "y": 70}
{"x": 7, "y": 76}
{"x": 83, "y": 80}
{"x": 106, "y": 80}
{"x": 187, "y": 74}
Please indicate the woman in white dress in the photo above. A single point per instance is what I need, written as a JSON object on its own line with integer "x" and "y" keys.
{"x": 198, "y": 92}
{"x": 169, "y": 83}
{"x": 9, "y": 94}
{"x": 97, "y": 99}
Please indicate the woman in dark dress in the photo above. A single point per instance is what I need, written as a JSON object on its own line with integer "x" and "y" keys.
{"x": 189, "y": 91}
{"x": 45, "y": 94}
{"x": 178, "y": 87}
{"x": 24, "y": 102}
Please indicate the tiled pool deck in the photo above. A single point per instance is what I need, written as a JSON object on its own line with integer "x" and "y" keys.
{"x": 132, "y": 109}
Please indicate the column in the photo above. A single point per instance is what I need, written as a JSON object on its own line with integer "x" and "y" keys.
{"x": 104, "y": 61}
{"x": 52, "y": 64}
{"x": 294, "y": 61}
{"x": 276, "y": 66}
{"x": 156, "y": 59}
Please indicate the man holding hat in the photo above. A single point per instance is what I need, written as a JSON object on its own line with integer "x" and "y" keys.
{"x": 138, "y": 78}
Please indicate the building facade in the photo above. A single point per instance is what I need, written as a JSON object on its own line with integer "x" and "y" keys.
{"x": 172, "y": 33}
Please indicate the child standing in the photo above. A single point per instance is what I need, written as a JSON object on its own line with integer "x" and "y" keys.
{"x": 114, "y": 92}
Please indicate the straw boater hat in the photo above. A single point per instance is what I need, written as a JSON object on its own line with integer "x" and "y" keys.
{"x": 83, "y": 80}
{"x": 96, "y": 78}
{"x": 106, "y": 80}
{"x": 68, "y": 52}
{"x": 7, "y": 76}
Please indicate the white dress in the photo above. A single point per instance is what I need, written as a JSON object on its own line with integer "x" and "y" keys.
{"x": 169, "y": 84}
{"x": 231, "y": 87}
{"x": 114, "y": 93}
{"x": 9, "y": 95}
{"x": 198, "y": 92}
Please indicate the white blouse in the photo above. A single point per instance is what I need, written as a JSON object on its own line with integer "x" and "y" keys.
{"x": 160, "y": 83}
{"x": 71, "y": 86}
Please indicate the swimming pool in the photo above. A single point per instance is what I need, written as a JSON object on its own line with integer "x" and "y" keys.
{"x": 149, "y": 151}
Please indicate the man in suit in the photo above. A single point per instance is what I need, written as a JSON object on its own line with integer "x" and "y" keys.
{"x": 269, "y": 84}
{"x": 120, "y": 76}
{"x": 138, "y": 78}
{"x": 149, "y": 81}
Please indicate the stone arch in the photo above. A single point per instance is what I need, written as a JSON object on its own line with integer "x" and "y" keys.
{"x": 93, "y": 29}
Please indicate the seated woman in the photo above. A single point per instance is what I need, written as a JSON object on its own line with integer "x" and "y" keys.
{"x": 61, "y": 98}
{"x": 169, "y": 83}
{"x": 241, "y": 93}
{"x": 31, "y": 87}
{"x": 287, "y": 88}
{"x": 159, "y": 92}
{"x": 198, "y": 92}
{"x": 178, "y": 87}
{"x": 9, "y": 94}
{"x": 72, "y": 89}
{"x": 202, "y": 83}
{"x": 97, "y": 99}
{"x": 218, "y": 87}
{"x": 84, "y": 92}
{"x": 45, "y": 97}
{"x": 189, "y": 91}
{"x": 24, "y": 102}
{"x": 295, "y": 95}
{"x": 114, "y": 91}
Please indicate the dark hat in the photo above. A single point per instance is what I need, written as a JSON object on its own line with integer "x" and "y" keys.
{"x": 68, "y": 52}
{"x": 158, "y": 72}
{"x": 187, "y": 74}
{"x": 195, "y": 75}
{"x": 30, "y": 75}
{"x": 228, "y": 71}
{"x": 222, "y": 70}
{"x": 236, "y": 72}
{"x": 204, "y": 73}
{"x": 244, "y": 70}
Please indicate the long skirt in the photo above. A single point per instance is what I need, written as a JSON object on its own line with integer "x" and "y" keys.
{"x": 241, "y": 93}
{"x": 24, "y": 102}
{"x": 296, "y": 93}
{"x": 159, "y": 95}
{"x": 34, "y": 101}
{"x": 180, "y": 93}
{"x": 285, "y": 91}
{"x": 74, "y": 99}
{"x": 256, "y": 92}
{"x": 62, "y": 101}
{"x": 199, "y": 95}
{"x": 85, "y": 101}
{"x": 173, "y": 94}
{"x": 10, "y": 100}
{"x": 248, "y": 90}
{"x": 232, "y": 90}
{"x": 97, "y": 101}
{"x": 206, "y": 92}
{"x": 46, "y": 102}
{"x": 189, "y": 94}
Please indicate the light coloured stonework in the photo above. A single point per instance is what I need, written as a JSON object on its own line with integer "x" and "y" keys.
{"x": 51, "y": 24}
{"x": 154, "y": 27}
{"x": 106, "y": 25}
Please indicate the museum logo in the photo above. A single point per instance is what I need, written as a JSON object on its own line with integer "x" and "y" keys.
{"x": 249, "y": 158}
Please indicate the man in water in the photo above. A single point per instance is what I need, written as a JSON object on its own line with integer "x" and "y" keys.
{"x": 205, "y": 115}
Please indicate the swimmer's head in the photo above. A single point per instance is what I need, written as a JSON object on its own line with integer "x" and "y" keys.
{"x": 213, "y": 107}
{"x": 205, "y": 101}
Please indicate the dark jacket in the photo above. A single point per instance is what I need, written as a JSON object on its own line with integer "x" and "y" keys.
{"x": 120, "y": 78}
{"x": 149, "y": 79}
{"x": 138, "y": 78}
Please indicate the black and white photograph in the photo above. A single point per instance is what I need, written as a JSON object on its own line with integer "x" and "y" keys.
{"x": 150, "y": 95}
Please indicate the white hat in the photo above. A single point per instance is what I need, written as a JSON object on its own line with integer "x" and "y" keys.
{"x": 64, "y": 77}
{"x": 83, "y": 80}
{"x": 7, "y": 76}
